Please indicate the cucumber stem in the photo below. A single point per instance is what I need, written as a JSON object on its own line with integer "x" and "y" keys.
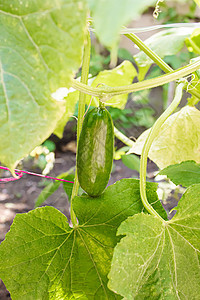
{"x": 153, "y": 133}
{"x": 123, "y": 138}
{"x": 81, "y": 111}
{"x": 101, "y": 104}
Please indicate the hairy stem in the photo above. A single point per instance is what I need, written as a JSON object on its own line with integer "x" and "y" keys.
{"x": 107, "y": 92}
{"x": 153, "y": 133}
{"x": 81, "y": 111}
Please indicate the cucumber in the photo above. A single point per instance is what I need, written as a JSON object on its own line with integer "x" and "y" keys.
{"x": 95, "y": 151}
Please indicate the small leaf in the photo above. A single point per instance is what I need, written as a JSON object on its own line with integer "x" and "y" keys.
{"x": 119, "y": 76}
{"x": 47, "y": 192}
{"x": 178, "y": 139}
{"x": 43, "y": 258}
{"x": 156, "y": 259}
{"x": 193, "y": 42}
{"x": 185, "y": 173}
{"x": 52, "y": 187}
{"x": 131, "y": 161}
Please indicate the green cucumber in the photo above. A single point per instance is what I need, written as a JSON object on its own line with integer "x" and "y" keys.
{"x": 95, "y": 151}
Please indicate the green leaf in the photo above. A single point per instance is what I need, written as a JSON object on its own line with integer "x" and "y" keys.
{"x": 193, "y": 42}
{"x": 142, "y": 70}
{"x": 43, "y": 258}
{"x": 119, "y": 76}
{"x": 41, "y": 50}
{"x": 158, "y": 259}
{"x": 109, "y": 17}
{"x": 163, "y": 43}
{"x": 185, "y": 173}
{"x": 47, "y": 192}
{"x": 52, "y": 187}
{"x": 124, "y": 54}
{"x": 178, "y": 139}
{"x": 131, "y": 161}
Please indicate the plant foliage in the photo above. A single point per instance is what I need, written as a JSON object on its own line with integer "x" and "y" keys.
{"x": 119, "y": 244}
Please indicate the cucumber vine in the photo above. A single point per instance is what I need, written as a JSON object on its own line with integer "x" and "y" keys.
{"x": 106, "y": 92}
{"x": 109, "y": 92}
{"x": 112, "y": 249}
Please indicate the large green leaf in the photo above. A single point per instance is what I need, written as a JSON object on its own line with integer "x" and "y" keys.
{"x": 158, "y": 259}
{"x": 43, "y": 258}
{"x": 164, "y": 43}
{"x": 185, "y": 173}
{"x": 109, "y": 17}
{"x": 119, "y": 76}
{"x": 178, "y": 139}
{"x": 41, "y": 49}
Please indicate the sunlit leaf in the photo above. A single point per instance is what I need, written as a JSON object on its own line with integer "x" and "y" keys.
{"x": 109, "y": 17}
{"x": 41, "y": 50}
{"x": 119, "y": 76}
{"x": 158, "y": 259}
{"x": 193, "y": 41}
{"x": 177, "y": 140}
{"x": 164, "y": 43}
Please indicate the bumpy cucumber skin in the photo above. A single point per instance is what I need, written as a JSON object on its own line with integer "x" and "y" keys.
{"x": 95, "y": 151}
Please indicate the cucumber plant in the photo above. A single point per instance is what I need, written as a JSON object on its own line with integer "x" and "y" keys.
{"x": 119, "y": 243}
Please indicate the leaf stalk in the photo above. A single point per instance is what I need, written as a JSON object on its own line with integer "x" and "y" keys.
{"x": 153, "y": 133}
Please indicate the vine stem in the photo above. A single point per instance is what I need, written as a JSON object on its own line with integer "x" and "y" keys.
{"x": 153, "y": 133}
{"x": 156, "y": 27}
{"x": 81, "y": 111}
{"x": 163, "y": 65}
{"x": 156, "y": 58}
{"x": 123, "y": 138}
{"x": 107, "y": 92}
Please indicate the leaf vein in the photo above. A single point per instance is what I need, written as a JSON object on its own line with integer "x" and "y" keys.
{"x": 94, "y": 264}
